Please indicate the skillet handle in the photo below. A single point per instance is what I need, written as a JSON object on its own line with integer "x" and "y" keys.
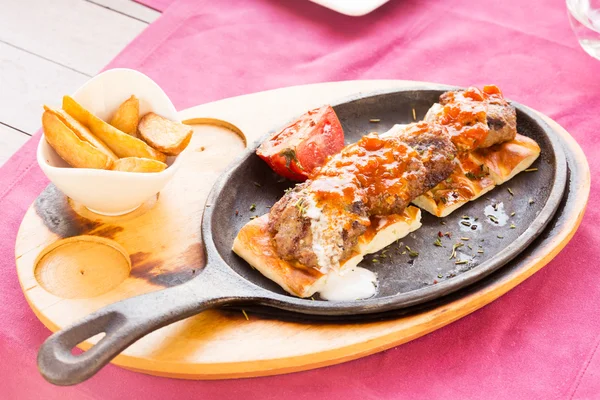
{"x": 129, "y": 320}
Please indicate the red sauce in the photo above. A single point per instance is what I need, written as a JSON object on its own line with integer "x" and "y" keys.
{"x": 367, "y": 168}
{"x": 464, "y": 115}
{"x": 466, "y": 181}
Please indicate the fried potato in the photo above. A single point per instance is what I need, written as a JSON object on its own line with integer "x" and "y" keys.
{"x": 82, "y": 132}
{"x": 136, "y": 164}
{"x": 164, "y": 135}
{"x": 78, "y": 153}
{"x": 127, "y": 116}
{"x": 122, "y": 144}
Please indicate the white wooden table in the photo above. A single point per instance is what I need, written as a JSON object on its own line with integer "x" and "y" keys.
{"x": 49, "y": 48}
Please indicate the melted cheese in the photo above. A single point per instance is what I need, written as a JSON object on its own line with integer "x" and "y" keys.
{"x": 351, "y": 284}
{"x": 326, "y": 240}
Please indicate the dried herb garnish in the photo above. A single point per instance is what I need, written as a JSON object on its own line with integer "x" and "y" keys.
{"x": 480, "y": 251}
{"x": 464, "y": 238}
{"x": 465, "y": 217}
{"x": 512, "y": 226}
{"x": 470, "y": 175}
{"x": 512, "y": 214}
{"x": 438, "y": 242}
{"x": 510, "y": 191}
{"x": 500, "y": 237}
{"x": 493, "y": 219}
{"x": 252, "y": 207}
{"x": 290, "y": 155}
{"x": 531, "y": 201}
{"x": 531, "y": 169}
{"x": 257, "y": 184}
{"x": 300, "y": 206}
{"x": 411, "y": 252}
{"x": 414, "y": 114}
{"x": 375, "y": 260}
{"x": 465, "y": 223}
{"x": 461, "y": 262}
{"x": 253, "y": 217}
{"x": 374, "y": 120}
{"x": 440, "y": 276}
{"x": 443, "y": 199}
{"x": 245, "y": 315}
{"x": 454, "y": 247}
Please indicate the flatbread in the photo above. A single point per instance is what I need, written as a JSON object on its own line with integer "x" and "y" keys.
{"x": 479, "y": 172}
{"x": 253, "y": 243}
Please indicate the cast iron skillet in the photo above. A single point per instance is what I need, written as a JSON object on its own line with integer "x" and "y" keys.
{"x": 404, "y": 281}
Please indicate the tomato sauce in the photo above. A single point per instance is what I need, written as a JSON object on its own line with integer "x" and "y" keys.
{"x": 365, "y": 169}
{"x": 463, "y": 115}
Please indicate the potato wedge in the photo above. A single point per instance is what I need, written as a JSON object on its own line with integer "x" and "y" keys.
{"x": 136, "y": 164}
{"x": 127, "y": 116}
{"x": 82, "y": 132}
{"x": 122, "y": 144}
{"x": 78, "y": 153}
{"x": 164, "y": 135}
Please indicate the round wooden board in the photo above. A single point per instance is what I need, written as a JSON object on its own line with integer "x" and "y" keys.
{"x": 163, "y": 241}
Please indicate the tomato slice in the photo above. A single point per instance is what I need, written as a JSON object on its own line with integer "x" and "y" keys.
{"x": 304, "y": 145}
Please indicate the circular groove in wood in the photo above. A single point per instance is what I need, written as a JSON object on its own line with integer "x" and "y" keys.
{"x": 218, "y": 122}
{"x": 86, "y": 213}
{"x": 82, "y": 267}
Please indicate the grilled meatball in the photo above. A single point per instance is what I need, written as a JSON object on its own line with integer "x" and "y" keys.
{"x": 436, "y": 151}
{"x": 475, "y": 118}
{"x": 319, "y": 222}
{"x": 316, "y": 236}
{"x": 502, "y": 121}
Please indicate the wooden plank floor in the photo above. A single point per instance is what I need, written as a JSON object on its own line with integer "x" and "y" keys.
{"x": 50, "y": 48}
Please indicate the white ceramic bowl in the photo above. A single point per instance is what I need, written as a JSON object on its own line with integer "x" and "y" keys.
{"x": 112, "y": 192}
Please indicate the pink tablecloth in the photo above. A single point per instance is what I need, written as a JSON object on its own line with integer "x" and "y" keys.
{"x": 538, "y": 341}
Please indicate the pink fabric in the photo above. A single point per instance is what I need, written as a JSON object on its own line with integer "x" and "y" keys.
{"x": 540, "y": 340}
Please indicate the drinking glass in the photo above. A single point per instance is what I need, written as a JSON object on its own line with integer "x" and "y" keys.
{"x": 585, "y": 22}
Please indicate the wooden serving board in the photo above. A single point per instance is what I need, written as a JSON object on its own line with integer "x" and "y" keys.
{"x": 71, "y": 262}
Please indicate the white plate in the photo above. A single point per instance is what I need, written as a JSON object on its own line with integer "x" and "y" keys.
{"x": 354, "y": 8}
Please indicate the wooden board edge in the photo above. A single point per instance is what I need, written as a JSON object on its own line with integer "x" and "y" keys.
{"x": 438, "y": 317}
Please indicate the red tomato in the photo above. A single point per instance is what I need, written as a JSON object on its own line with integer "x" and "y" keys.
{"x": 304, "y": 145}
